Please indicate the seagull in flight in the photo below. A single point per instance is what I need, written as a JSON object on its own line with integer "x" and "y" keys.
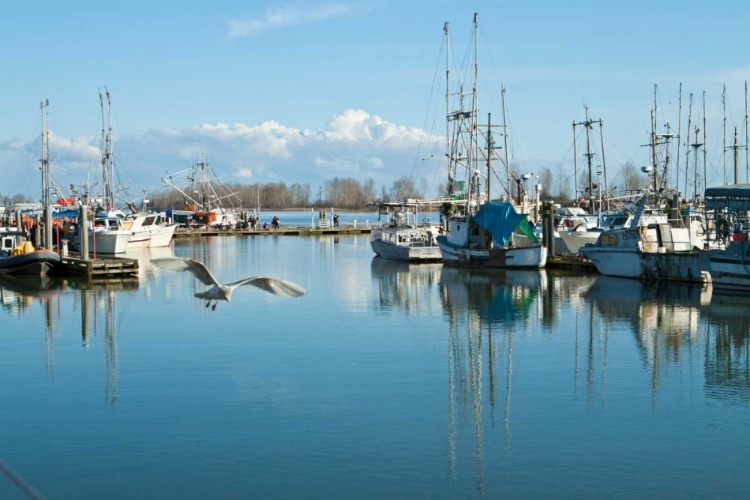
{"x": 221, "y": 291}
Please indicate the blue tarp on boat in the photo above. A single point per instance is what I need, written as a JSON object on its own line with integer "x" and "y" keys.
{"x": 501, "y": 220}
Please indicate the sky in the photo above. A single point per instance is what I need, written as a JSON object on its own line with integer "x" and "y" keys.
{"x": 301, "y": 92}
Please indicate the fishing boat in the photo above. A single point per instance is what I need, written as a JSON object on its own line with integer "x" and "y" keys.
{"x": 481, "y": 233}
{"x": 18, "y": 256}
{"x": 659, "y": 251}
{"x": 106, "y": 235}
{"x": 495, "y": 237}
{"x": 403, "y": 236}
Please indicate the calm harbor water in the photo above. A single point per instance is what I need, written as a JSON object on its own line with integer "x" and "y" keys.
{"x": 385, "y": 381}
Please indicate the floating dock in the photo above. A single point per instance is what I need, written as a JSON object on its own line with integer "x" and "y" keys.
{"x": 100, "y": 268}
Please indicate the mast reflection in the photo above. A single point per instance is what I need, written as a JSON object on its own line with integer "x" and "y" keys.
{"x": 484, "y": 309}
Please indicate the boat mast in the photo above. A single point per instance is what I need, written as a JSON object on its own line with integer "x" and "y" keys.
{"x": 747, "y": 140}
{"x": 679, "y": 131}
{"x": 696, "y": 145}
{"x": 46, "y": 202}
{"x": 653, "y": 141}
{"x": 588, "y": 124}
{"x": 107, "y": 174}
{"x": 604, "y": 167}
{"x": 724, "y": 140}
{"x": 705, "y": 162}
{"x": 687, "y": 155}
{"x": 736, "y": 149}
{"x": 575, "y": 164}
{"x": 451, "y": 164}
{"x": 475, "y": 100}
{"x": 505, "y": 146}
{"x": 489, "y": 155}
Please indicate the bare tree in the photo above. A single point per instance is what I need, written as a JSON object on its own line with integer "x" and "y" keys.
{"x": 404, "y": 188}
{"x": 630, "y": 176}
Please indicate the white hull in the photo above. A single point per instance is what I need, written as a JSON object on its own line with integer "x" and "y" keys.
{"x": 666, "y": 266}
{"x": 621, "y": 262}
{"x": 392, "y": 251}
{"x": 104, "y": 242}
{"x": 139, "y": 240}
{"x": 162, "y": 237}
{"x": 534, "y": 256}
{"x": 405, "y": 243}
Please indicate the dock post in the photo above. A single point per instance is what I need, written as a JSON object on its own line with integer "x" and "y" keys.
{"x": 37, "y": 236}
{"x": 48, "y": 242}
{"x": 19, "y": 220}
{"x": 83, "y": 230}
{"x": 548, "y": 229}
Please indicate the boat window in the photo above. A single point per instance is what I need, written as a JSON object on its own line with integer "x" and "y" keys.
{"x": 149, "y": 221}
{"x": 7, "y": 242}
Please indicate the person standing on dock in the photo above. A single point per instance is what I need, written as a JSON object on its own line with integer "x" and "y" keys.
{"x": 275, "y": 222}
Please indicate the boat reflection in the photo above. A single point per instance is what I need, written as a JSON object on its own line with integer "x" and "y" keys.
{"x": 672, "y": 321}
{"x": 485, "y": 309}
{"x": 20, "y": 294}
{"x": 727, "y": 347}
{"x": 497, "y": 295}
{"x": 403, "y": 285}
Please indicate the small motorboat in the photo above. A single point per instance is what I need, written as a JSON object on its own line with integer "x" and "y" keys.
{"x": 18, "y": 256}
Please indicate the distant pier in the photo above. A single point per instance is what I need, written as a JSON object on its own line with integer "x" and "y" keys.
{"x": 283, "y": 231}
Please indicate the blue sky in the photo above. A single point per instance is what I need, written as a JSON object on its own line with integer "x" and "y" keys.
{"x": 303, "y": 91}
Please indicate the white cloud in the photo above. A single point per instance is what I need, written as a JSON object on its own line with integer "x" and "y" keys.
{"x": 353, "y": 144}
{"x": 243, "y": 173}
{"x": 287, "y": 15}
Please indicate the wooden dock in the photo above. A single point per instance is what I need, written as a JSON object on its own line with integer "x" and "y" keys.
{"x": 100, "y": 268}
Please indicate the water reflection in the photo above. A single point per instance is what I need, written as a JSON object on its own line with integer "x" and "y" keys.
{"x": 20, "y": 294}
{"x": 484, "y": 310}
{"x": 402, "y": 285}
{"x": 727, "y": 348}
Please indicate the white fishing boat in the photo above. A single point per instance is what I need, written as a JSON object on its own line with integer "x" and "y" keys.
{"x": 106, "y": 235}
{"x": 659, "y": 251}
{"x": 148, "y": 227}
{"x": 481, "y": 233}
{"x": 403, "y": 236}
{"x": 575, "y": 238}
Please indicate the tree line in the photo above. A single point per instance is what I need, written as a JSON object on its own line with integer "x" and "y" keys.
{"x": 351, "y": 194}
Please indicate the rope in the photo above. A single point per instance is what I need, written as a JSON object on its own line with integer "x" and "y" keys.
{"x": 19, "y": 481}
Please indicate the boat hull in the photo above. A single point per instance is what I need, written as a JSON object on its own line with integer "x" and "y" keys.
{"x": 534, "y": 256}
{"x": 391, "y": 251}
{"x": 104, "y": 242}
{"x": 163, "y": 236}
{"x": 37, "y": 263}
{"x": 728, "y": 270}
{"x": 689, "y": 266}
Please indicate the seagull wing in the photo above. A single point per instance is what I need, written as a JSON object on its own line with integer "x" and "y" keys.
{"x": 198, "y": 269}
{"x": 275, "y": 286}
